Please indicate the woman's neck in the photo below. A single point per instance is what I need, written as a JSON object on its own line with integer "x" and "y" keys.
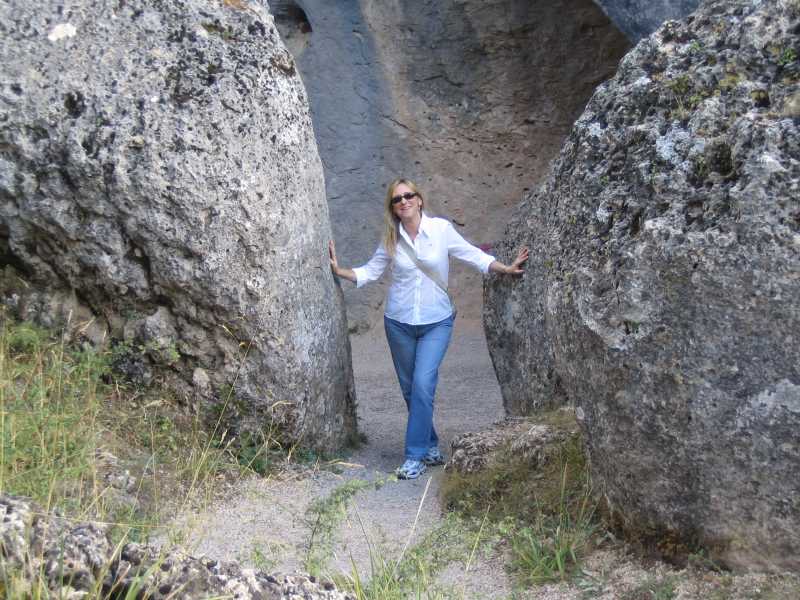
{"x": 411, "y": 225}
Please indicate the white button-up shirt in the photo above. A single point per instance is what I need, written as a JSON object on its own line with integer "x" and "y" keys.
{"x": 414, "y": 298}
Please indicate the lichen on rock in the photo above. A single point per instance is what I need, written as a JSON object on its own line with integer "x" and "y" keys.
{"x": 661, "y": 296}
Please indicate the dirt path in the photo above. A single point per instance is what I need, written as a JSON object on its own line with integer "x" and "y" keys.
{"x": 265, "y": 524}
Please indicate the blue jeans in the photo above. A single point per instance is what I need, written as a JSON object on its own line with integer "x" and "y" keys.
{"x": 417, "y": 352}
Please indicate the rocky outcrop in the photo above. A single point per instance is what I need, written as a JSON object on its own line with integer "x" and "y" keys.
{"x": 521, "y": 438}
{"x": 71, "y": 560}
{"x": 159, "y": 181}
{"x": 639, "y": 18}
{"x": 661, "y": 297}
{"x": 471, "y": 99}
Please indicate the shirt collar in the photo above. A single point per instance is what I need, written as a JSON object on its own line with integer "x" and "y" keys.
{"x": 424, "y": 224}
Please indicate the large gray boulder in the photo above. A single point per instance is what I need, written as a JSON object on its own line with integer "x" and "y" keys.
{"x": 662, "y": 293}
{"x": 159, "y": 180}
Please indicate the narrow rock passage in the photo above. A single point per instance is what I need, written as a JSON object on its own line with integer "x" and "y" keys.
{"x": 265, "y": 522}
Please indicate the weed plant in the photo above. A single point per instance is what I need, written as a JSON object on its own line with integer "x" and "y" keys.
{"x": 50, "y": 399}
{"x": 413, "y": 573}
{"x": 390, "y": 577}
{"x": 324, "y": 517}
{"x": 654, "y": 588}
{"x": 263, "y": 453}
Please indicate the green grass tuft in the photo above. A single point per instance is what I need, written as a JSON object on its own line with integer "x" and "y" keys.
{"x": 546, "y": 516}
{"x": 49, "y": 406}
{"x": 77, "y": 438}
{"x": 551, "y": 548}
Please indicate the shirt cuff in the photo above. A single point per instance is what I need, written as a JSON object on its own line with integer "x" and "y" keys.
{"x": 487, "y": 259}
{"x": 361, "y": 276}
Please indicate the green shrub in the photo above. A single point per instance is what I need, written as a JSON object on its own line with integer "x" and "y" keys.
{"x": 551, "y": 548}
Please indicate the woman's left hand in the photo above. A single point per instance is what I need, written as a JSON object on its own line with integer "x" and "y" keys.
{"x": 515, "y": 268}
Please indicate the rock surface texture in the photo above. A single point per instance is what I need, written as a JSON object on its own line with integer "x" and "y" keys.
{"x": 73, "y": 560}
{"x": 471, "y": 99}
{"x": 639, "y": 18}
{"x": 159, "y": 180}
{"x": 521, "y": 438}
{"x": 661, "y": 297}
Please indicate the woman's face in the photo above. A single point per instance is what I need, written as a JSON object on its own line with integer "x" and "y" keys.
{"x": 406, "y": 208}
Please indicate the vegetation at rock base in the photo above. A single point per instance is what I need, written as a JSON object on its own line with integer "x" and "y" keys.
{"x": 547, "y": 516}
{"x": 78, "y": 439}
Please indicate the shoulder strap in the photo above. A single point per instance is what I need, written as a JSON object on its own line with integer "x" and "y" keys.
{"x": 401, "y": 241}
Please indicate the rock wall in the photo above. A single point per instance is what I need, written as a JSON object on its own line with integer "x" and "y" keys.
{"x": 159, "y": 180}
{"x": 471, "y": 99}
{"x": 639, "y": 18}
{"x": 661, "y": 297}
{"x": 338, "y": 62}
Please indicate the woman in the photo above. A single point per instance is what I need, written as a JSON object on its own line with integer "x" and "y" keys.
{"x": 419, "y": 315}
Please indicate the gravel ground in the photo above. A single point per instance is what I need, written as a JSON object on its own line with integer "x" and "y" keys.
{"x": 264, "y": 522}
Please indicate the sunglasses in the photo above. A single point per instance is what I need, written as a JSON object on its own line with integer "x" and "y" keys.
{"x": 401, "y": 197}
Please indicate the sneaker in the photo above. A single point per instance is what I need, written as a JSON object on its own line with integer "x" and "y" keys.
{"x": 433, "y": 458}
{"x": 411, "y": 469}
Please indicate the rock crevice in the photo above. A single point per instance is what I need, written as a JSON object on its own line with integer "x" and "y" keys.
{"x": 468, "y": 99}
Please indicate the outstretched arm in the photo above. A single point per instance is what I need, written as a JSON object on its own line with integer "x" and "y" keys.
{"x": 348, "y": 274}
{"x": 515, "y": 268}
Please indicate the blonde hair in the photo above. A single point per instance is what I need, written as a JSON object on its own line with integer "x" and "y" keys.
{"x": 390, "y": 220}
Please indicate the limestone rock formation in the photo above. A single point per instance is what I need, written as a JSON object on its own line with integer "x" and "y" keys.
{"x": 159, "y": 180}
{"x": 521, "y": 438}
{"x": 661, "y": 297}
{"x": 76, "y": 559}
{"x": 639, "y": 18}
{"x": 470, "y": 98}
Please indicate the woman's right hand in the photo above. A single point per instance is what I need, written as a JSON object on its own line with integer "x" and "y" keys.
{"x": 332, "y": 257}
{"x": 348, "y": 274}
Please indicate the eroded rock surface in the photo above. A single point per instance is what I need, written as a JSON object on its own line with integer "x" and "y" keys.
{"x": 75, "y": 559}
{"x": 471, "y": 99}
{"x": 159, "y": 181}
{"x": 521, "y": 438}
{"x": 661, "y": 296}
